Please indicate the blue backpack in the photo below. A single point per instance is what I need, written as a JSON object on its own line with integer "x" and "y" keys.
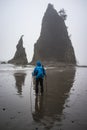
{"x": 39, "y": 72}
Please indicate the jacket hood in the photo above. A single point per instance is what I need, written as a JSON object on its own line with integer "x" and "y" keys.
{"x": 38, "y": 63}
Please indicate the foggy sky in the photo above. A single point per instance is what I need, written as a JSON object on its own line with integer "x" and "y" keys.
{"x": 24, "y": 17}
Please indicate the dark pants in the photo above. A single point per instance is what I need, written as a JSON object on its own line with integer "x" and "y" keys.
{"x": 39, "y": 81}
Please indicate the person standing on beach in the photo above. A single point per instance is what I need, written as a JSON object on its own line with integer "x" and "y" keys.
{"x": 39, "y": 72}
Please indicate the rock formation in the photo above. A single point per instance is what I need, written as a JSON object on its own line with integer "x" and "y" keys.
{"x": 20, "y": 55}
{"x": 54, "y": 44}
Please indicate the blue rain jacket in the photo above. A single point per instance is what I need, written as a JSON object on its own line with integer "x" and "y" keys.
{"x": 39, "y": 71}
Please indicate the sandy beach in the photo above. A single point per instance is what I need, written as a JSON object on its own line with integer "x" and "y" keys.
{"x": 63, "y": 105}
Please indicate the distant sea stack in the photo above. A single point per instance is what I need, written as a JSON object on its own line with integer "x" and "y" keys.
{"x": 54, "y": 44}
{"x": 20, "y": 55}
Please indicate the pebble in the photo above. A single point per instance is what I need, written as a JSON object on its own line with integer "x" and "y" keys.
{"x": 4, "y": 109}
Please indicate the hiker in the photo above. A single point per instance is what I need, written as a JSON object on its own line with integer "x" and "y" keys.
{"x": 39, "y": 72}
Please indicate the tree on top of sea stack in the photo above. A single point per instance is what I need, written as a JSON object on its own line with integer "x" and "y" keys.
{"x": 20, "y": 57}
{"x": 54, "y": 44}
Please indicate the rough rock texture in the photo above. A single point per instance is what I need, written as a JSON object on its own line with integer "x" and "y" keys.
{"x": 54, "y": 44}
{"x": 20, "y": 55}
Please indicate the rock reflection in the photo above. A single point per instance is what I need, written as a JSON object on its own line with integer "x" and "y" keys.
{"x": 50, "y": 106}
{"x": 20, "y": 79}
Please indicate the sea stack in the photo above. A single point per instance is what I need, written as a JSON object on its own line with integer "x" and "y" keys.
{"x": 54, "y": 44}
{"x": 20, "y": 57}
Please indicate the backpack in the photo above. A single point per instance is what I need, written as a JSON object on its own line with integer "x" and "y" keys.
{"x": 39, "y": 72}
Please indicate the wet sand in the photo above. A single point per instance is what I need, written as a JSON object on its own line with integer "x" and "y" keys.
{"x": 63, "y": 105}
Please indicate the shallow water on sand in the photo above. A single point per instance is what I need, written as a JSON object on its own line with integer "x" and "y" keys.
{"x": 63, "y": 105}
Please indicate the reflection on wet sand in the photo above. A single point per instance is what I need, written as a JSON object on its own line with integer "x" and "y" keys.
{"x": 19, "y": 81}
{"x": 57, "y": 87}
{"x": 38, "y": 113}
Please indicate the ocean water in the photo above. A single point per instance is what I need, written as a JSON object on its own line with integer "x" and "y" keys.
{"x": 62, "y": 107}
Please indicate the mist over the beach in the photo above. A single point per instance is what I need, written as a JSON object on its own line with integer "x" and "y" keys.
{"x": 43, "y": 65}
{"x": 23, "y": 17}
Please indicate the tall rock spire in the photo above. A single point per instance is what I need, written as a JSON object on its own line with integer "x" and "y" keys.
{"x": 54, "y": 43}
{"x": 20, "y": 55}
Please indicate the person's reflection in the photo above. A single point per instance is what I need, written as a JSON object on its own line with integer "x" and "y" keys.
{"x": 19, "y": 78}
{"x": 39, "y": 108}
{"x": 50, "y": 106}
